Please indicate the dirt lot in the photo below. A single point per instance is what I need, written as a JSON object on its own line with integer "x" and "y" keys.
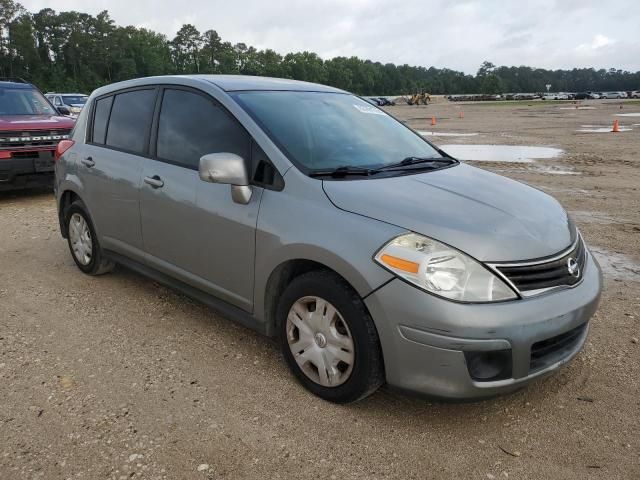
{"x": 117, "y": 377}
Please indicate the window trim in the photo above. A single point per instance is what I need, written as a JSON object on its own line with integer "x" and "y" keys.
{"x": 92, "y": 114}
{"x": 151, "y": 138}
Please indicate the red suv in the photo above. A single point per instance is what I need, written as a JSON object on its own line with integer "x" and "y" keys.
{"x": 30, "y": 129}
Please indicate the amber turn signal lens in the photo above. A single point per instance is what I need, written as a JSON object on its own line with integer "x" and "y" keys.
{"x": 400, "y": 264}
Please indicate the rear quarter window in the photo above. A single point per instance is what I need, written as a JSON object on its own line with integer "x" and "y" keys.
{"x": 100, "y": 119}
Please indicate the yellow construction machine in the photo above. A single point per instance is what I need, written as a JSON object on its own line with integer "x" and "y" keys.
{"x": 419, "y": 99}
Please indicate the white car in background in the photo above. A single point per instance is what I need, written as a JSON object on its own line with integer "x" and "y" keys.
{"x": 635, "y": 94}
{"x": 73, "y": 101}
{"x": 555, "y": 96}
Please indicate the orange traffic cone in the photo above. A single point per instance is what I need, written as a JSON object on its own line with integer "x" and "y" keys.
{"x": 461, "y": 114}
{"x": 433, "y": 120}
{"x": 616, "y": 128}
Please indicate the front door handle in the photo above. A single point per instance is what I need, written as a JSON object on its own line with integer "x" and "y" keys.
{"x": 88, "y": 162}
{"x": 155, "y": 181}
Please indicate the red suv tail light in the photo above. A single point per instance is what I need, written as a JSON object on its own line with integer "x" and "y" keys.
{"x": 62, "y": 147}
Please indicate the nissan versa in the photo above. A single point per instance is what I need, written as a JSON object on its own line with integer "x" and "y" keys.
{"x": 314, "y": 217}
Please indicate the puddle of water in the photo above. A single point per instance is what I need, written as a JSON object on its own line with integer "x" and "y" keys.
{"x": 573, "y": 191}
{"x": 501, "y": 153}
{"x": 539, "y": 169}
{"x": 579, "y": 108}
{"x": 554, "y": 170}
{"x": 634, "y": 114}
{"x": 584, "y": 216}
{"x": 616, "y": 266}
{"x": 446, "y": 134}
{"x": 602, "y": 130}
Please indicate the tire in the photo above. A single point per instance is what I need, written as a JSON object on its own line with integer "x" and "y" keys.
{"x": 349, "y": 331}
{"x": 83, "y": 242}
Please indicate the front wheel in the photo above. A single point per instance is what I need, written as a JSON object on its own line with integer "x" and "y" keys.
{"x": 328, "y": 338}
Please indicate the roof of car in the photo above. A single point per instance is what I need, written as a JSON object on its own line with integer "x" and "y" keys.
{"x": 234, "y": 83}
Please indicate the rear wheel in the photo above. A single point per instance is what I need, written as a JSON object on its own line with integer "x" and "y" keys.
{"x": 328, "y": 338}
{"x": 83, "y": 242}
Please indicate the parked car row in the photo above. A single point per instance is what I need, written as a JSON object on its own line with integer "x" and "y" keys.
{"x": 380, "y": 101}
{"x": 473, "y": 98}
{"x": 545, "y": 96}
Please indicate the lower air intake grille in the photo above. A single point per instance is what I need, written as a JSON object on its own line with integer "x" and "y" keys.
{"x": 552, "y": 350}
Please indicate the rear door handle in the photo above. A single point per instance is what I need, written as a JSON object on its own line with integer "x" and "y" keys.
{"x": 88, "y": 162}
{"x": 155, "y": 181}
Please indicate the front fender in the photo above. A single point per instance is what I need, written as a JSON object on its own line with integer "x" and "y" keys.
{"x": 306, "y": 226}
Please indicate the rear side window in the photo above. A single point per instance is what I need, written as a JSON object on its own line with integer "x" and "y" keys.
{"x": 191, "y": 125}
{"x": 130, "y": 119}
{"x": 103, "y": 107}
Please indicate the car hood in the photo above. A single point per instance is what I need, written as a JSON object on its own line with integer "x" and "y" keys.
{"x": 490, "y": 217}
{"x": 34, "y": 122}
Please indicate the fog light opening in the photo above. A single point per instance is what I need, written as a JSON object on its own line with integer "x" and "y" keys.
{"x": 489, "y": 366}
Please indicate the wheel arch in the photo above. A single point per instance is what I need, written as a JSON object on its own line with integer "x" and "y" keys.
{"x": 286, "y": 270}
{"x": 67, "y": 197}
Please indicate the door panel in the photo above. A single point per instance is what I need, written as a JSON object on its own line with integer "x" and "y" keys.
{"x": 167, "y": 213}
{"x": 192, "y": 229}
{"x": 111, "y": 188}
{"x": 110, "y": 167}
{"x": 224, "y": 247}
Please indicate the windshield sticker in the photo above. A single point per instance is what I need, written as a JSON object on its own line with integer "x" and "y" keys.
{"x": 367, "y": 109}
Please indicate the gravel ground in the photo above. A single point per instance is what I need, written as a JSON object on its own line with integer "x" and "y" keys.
{"x": 118, "y": 377}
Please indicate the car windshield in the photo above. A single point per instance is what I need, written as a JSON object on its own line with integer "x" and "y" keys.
{"x": 74, "y": 99}
{"x": 320, "y": 131}
{"x": 22, "y": 101}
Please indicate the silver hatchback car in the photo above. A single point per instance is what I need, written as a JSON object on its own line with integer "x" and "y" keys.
{"x": 315, "y": 218}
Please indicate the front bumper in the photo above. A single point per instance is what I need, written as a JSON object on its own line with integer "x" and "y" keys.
{"x": 424, "y": 338}
{"x": 34, "y": 170}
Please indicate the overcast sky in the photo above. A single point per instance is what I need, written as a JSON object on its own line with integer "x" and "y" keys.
{"x": 441, "y": 33}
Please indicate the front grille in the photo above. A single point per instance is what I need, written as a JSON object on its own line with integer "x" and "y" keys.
{"x": 533, "y": 277}
{"x": 547, "y": 352}
{"x": 33, "y": 138}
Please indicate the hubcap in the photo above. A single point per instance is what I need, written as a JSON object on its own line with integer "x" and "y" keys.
{"x": 80, "y": 239}
{"x": 320, "y": 341}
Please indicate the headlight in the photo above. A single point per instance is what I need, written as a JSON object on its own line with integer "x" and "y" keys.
{"x": 442, "y": 270}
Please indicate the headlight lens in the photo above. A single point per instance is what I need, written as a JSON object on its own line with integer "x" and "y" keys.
{"x": 442, "y": 270}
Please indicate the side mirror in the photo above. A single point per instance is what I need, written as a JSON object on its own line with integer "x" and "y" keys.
{"x": 227, "y": 168}
{"x": 62, "y": 110}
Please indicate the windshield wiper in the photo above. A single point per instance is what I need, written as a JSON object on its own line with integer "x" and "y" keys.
{"x": 343, "y": 171}
{"x": 434, "y": 162}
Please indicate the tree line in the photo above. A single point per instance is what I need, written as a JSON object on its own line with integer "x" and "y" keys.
{"x": 74, "y": 51}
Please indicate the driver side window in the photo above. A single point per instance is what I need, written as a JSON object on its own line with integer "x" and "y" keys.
{"x": 192, "y": 125}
